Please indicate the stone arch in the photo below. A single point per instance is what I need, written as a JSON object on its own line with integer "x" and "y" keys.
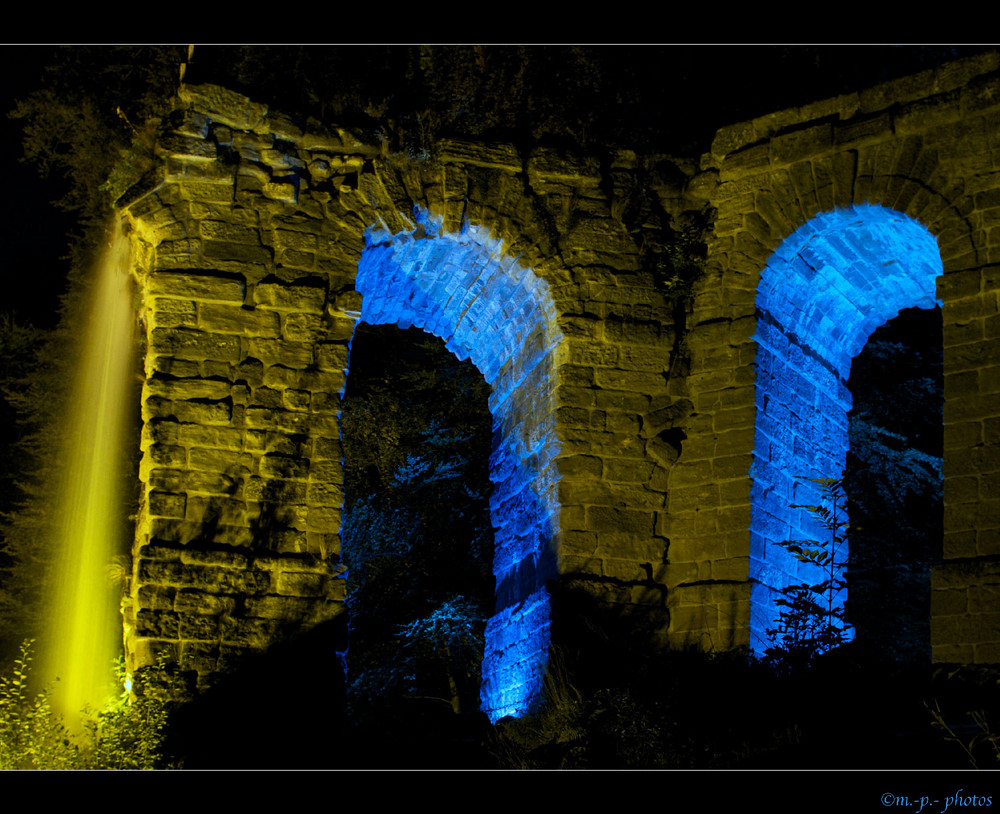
{"x": 463, "y": 288}
{"x": 766, "y": 179}
{"x": 822, "y": 293}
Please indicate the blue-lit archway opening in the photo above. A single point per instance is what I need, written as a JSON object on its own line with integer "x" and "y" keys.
{"x": 487, "y": 308}
{"x": 821, "y": 295}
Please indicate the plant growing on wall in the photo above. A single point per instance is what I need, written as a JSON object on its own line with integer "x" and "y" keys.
{"x": 811, "y": 620}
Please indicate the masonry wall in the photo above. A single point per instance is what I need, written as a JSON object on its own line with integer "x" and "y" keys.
{"x": 925, "y": 147}
{"x": 249, "y": 241}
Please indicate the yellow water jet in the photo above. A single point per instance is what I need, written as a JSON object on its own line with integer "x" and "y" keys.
{"x": 84, "y": 630}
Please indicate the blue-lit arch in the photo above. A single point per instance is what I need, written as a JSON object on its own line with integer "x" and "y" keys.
{"x": 822, "y": 294}
{"x": 489, "y": 309}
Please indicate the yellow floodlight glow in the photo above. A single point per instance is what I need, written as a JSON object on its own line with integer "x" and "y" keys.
{"x": 84, "y": 632}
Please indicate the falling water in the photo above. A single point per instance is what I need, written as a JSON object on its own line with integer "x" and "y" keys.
{"x": 84, "y": 632}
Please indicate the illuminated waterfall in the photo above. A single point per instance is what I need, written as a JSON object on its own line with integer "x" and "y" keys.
{"x": 84, "y": 631}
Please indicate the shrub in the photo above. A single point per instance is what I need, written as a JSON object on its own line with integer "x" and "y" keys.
{"x": 128, "y": 734}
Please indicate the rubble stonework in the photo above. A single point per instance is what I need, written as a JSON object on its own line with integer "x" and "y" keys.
{"x": 634, "y": 418}
{"x": 924, "y": 146}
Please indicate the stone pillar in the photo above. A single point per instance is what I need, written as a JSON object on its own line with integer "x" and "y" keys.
{"x": 965, "y": 595}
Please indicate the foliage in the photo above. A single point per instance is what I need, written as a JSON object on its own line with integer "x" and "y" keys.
{"x": 23, "y": 409}
{"x": 811, "y": 620}
{"x": 416, "y": 535}
{"x": 671, "y": 251}
{"x": 971, "y": 744}
{"x": 647, "y": 97}
{"x": 963, "y": 707}
{"x": 32, "y": 736}
{"x": 19, "y": 344}
{"x": 680, "y": 258}
{"x": 79, "y": 122}
{"x": 449, "y": 638}
{"x": 894, "y": 480}
{"x": 128, "y": 734}
{"x": 614, "y": 700}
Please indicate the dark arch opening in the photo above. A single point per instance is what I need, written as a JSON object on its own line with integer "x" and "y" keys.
{"x": 417, "y": 538}
{"x": 463, "y": 288}
{"x": 894, "y": 483}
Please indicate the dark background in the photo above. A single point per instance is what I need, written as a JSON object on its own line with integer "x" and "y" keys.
{"x": 674, "y": 96}
{"x": 667, "y": 98}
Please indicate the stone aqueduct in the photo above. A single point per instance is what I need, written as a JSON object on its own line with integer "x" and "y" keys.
{"x": 625, "y": 421}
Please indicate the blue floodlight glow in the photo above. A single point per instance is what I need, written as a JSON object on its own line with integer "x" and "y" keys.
{"x": 487, "y": 308}
{"x": 822, "y": 294}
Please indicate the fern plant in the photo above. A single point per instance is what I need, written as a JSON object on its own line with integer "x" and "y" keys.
{"x": 811, "y": 620}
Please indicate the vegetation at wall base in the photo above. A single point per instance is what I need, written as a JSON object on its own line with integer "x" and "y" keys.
{"x": 128, "y": 734}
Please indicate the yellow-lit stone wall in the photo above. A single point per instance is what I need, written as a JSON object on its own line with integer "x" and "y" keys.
{"x": 249, "y": 238}
{"x": 926, "y": 146}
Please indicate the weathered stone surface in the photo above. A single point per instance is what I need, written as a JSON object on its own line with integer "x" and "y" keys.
{"x": 196, "y": 286}
{"x": 632, "y": 415}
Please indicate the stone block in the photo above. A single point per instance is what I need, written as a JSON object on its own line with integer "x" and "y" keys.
{"x": 167, "y": 455}
{"x": 283, "y": 466}
{"x": 187, "y": 388}
{"x": 203, "y": 286}
{"x": 286, "y": 608}
{"x": 290, "y": 258}
{"x": 219, "y": 459}
{"x": 201, "y": 412}
{"x": 949, "y": 602}
{"x": 189, "y": 344}
{"x": 281, "y": 352}
{"x": 627, "y": 471}
{"x": 160, "y": 479}
{"x": 157, "y": 624}
{"x": 229, "y": 230}
{"x": 302, "y": 327}
{"x": 209, "y": 436}
{"x": 324, "y": 519}
{"x": 189, "y": 601}
{"x": 332, "y": 356}
{"x": 232, "y": 319}
{"x": 200, "y": 657}
{"x": 285, "y": 190}
{"x": 580, "y": 466}
{"x": 285, "y": 297}
{"x": 296, "y": 399}
{"x": 165, "y": 504}
{"x": 236, "y": 252}
{"x": 205, "y": 628}
{"x": 164, "y": 312}
{"x": 301, "y": 584}
{"x": 331, "y": 452}
{"x": 266, "y": 397}
{"x": 611, "y": 523}
{"x": 952, "y": 653}
{"x": 156, "y": 597}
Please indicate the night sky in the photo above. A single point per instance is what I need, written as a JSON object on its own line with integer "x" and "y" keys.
{"x": 693, "y": 90}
